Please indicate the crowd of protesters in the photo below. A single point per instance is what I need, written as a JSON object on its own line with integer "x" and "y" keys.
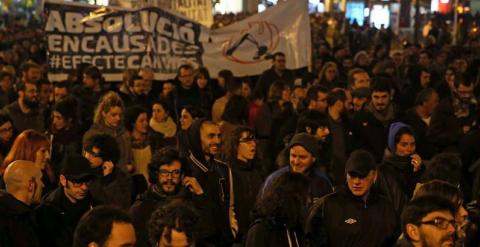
{"x": 374, "y": 147}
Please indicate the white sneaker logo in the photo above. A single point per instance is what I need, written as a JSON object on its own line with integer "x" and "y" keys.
{"x": 351, "y": 221}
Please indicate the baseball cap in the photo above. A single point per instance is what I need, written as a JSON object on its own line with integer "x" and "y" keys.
{"x": 76, "y": 167}
{"x": 360, "y": 162}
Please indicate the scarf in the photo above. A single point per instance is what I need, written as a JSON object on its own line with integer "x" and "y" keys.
{"x": 385, "y": 117}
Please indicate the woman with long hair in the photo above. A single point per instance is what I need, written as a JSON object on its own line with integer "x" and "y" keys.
{"x": 203, "y": 81}
{"x": 280, "y": 214}
{"x": 329, "y": 76}
{"x": 33, "y": 146}
{"x": 108, "y": 119}
{"x": 136, "y": 122}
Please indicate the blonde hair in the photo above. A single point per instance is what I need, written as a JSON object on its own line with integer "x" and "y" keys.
{"x": 109, "y": 100}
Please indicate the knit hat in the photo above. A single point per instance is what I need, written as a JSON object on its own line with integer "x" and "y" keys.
{"x": 76, "y": 167}
{"x": 307, "y": 141}
{"x": 360, "y": 162}
{"x": 394, "y": 128}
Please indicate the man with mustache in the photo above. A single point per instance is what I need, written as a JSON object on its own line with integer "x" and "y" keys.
{"x": 166, "y": 172}
{"x": 354, "y": 215}
{"x": 429, "y": 222}
{"x": 370, "y": 125}
{"x": 214, "y": 176}
{"x": 61, "y": 210}
{"x": 26, "y": 112}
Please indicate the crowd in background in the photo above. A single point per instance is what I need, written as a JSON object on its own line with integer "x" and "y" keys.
{"x": 376, "y": 145}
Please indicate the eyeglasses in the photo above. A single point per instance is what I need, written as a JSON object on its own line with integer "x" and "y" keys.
{"x": 250, "y": 138}
{"x": 93, "y": 154}
{"x": 440, "y": 223}
{"x": 165, "y": 173}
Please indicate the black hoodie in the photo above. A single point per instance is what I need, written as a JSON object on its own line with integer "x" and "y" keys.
{"x": 214, "y": 177}
{"x": 17, "y": 225}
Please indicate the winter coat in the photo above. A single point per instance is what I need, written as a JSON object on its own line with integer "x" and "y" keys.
{"x": 17, "y": 223}
{"x": 58, "y": 217}
{"x": 215, "y": 178}
{"x": 149, "y": 201}
{"x": 396, "y": 180}
{"x": 342, "y": 219}
{"x": 272, "y": 233}
{"x": 114, "y": 189}
{"x": 320, "y": 185}
{"x": 122, "y": 137}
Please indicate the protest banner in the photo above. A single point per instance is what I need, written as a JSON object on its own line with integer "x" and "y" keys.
{"x": 115, "y": 39}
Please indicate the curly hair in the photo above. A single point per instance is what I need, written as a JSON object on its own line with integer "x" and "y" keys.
{"x": 108, "y": 101}
{"x": 177, "y": 215}
{"x": 109, "y": 149}
{"x": 165, "y": 155}
{"x": 131, "y": 115}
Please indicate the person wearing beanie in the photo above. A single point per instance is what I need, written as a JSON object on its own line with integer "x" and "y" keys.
{"x": 354, "y": 215}
{"x": 401, "y": 166}
{"x": 303, "y": 149}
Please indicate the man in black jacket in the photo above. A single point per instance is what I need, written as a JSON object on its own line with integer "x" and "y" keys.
{"x": 169, "y": 183}
{"x": 355, "y": 215}
{"x": 214, "y": 176}
{"x": 60, "y": 211}
{"x": 341, "y": 135}
{"x": 278, "y": 72}
{"x": 370, "y": 125}
{"x": 23, "y": 182}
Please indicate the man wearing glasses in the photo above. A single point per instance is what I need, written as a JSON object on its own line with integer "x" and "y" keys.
{"x": 429, "y": 222}
{"x": 354, "y": 215}
{"x": 169, "y": 183}
{"x": 61, "y": 210}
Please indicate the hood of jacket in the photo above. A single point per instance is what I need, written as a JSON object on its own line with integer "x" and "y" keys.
{"x": 392, "y": 132}
{"x": 194, "y": 142}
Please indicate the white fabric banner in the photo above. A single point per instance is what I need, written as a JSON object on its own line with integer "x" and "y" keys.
{"x": 243, "y": 46}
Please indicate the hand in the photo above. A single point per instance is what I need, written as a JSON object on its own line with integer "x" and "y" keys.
{"x": 192, "y": 184}
{"x": 416, "y": 162}
{"x": 107, "y": 168}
